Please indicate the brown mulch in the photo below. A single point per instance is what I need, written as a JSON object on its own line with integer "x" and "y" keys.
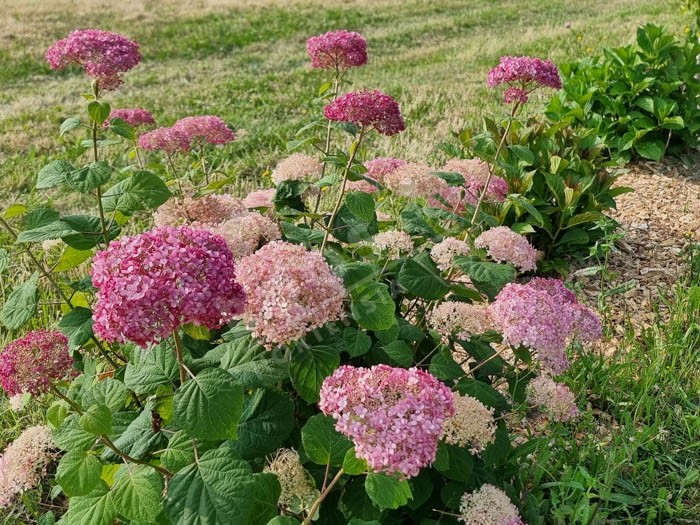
{"x": 658, "y": 222}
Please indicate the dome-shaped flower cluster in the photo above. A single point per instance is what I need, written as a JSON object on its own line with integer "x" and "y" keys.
{"x": 24, "y": 462}
{"x": 444, "y": 252}
{"x": 471, "y": 426}
{"x": 488, "y": 506}
{"x": 543, "y": 315}
{"x": 504, "y": 245}
{"x": 554, "y": 398}
{"x": 297, "y": 167}
{"x": 28, "y": 364}
{"x": 186, "y": 133}
{"x": 208, "y": 210}
{"x": 338, "y": 50}
{"x": 133, "y": 116}
{"x": 522, "y": 75}
{"x": 290, "y": 291}
{"x": 260, "y": 198}
{"x": 460, "y": 319}
{"x": 105, "y": 56}
{"x": 150, "y": 284}
{"x": 393, "y": 416}
{"x": 371, "y": 109}
{"x": 413, "y": 180}
{"x": 393, "y": 241}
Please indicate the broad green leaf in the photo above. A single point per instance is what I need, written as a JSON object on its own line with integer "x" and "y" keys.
{"x": 556, "y": 186}
{"x": 308, "y": 368}
{"x": 39, "y": 217}
{"x": 71, "y": 258}
{"x": 97, "y": 420}
{"x": 15, "y": 210}
{"x": 487, "y": 277}
{"x": 361, "y": 205}
{"x": 109, "y": 392}
{"x": 99, "y": 111}
{"x": 71, "y": 437}
{"x": 483, "y": 392}
{"x": 443, "y": 366}
{"x": 421, "y": 278}
{"x": 53, "y": 174}
{"x": 135, "y": 435}
{"x": 352, "y": 465}
{"x": 651, "y": 149}
{"x": 78, "y": 473}
{"x": 142, "y": 191}
{"x": 357, "y": 275}
{"x": 373, "y": 308}
{"x": 399, "y": 352}
{"x": 87, "y": 231}
{"x": 180, "y": 453}
{"x": 250, "y": 364}
{"x": 54, "y": 230}
{"x": 460, "y": 464}
{"x": 77, "y": 325}
{"x": 90, "y": 177}
{"x": 351, "y": 228}
{"x": 356, "y": 342}
{"x": 581, "y": 218}
{"x": 56, "y": 413}
{"x": 68, "y": 125}
{"x": 209, "y": 406}
{"x": 21, "y": 304}
{"x": 387, "y": 492}
{"x": 95, "y": 508}
{"x": 573, "y": 237}
{"x": 150, "y": 368}
{"x": 122, "y": 128}
{"x": 322, "y": 443}
{"x": 283, "y": 520}
{"x": 136, "y": 493}
{"x": 221, "y": 489}
{"x": 266, "y": 422}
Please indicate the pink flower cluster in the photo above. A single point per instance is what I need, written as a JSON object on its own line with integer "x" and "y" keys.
{"x": 28, "y": 364}
{"x": 105, "y": 56}
{"x": 338, "y": 50}
{"x": 394, "y": 241}
{"x": 460, "y": 319}
{"x": 393, "y": 416}
{"x": 471, "y": 426}
{"x": 504, "y": 245}
{"x": 297, "y": 167}
{"x": 475, "y": 173}
{"x": 414, "y": 180}
{"x": 247, "y": 232}
{"x": 260, "y": 198}
{"x": 377, "y": 169}
{"x": 444, "y": 252}
{"x": 208, "y": 210}
{"x": 24, "y": 462}
{"x": 290, "y": 291}
{"x": 371, "y": 109}
{"x": 543, "y": 315}
{"x": 556, "y": 399}
{"x": 523, "y": 74}
{"x": 133, "y": 116}
{"x": 488, "y": 506}
{"x": 152, "y": 283}
{"x": 188, "y": 132}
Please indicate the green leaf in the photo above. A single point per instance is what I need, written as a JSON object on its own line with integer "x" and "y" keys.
{"x": 356, "y": 342}
{"x": 99, "y": 111}
{"x": 96, "y": 508}
{"x": 53, "y": 174}
{"x": 573, "y": 237}
{"x": 458, "y": 466}
{"x": 352, "y": 465}
{"x": 322, "y": 443}
{"x": 444, "y": 367}
{"x": 266, "y": 422}
{"x": 54, "y": 230}
{"x": 283, "y": 520}
{"x": 399, "y": 352}
{"x": 57, "y": 413}
{"x": 356, "y": 220}
{"x": 109, "y": 392}
{"x": 651, "y": 149}
{"x": 148, "y": 369}
{"x": 97, "y": 420}
{"x": 71, "y": 437}
{"x": 300, "y": 235}
{"x": 68, "y": 125}
{"x": 372, "y": 307}
{"x": 488, "y": 277}
{"x": 483, "y": 392}
{"x": 209, "y": 406}
{"x": 251, "y": 365}
{"x": 556, "y": 186}
{"x": 421, "y": 278}
{"x": 356, "y": 275}
{"x": 180, "y": 453}
{"x": 142, "y": 191}
{"x": 77, "y": 325}
{"x": 122, "y": 128}
{"x": 49, "y": 518}
{"x": 78, "y": 473}
{"x": 90, "y": 177}
{"x": 4, "y": 259}
{"x": 308, "y": 368}
{"x": 87, "y": 231}
{"x": 71, "y": 258}
{"x": 581, "y": 218}
{"x": 136, "y": 493}
{"x": 221, "y": 489}
{"x": 135, "y": 435}
{"x": 387, "y": 492}
{"x": 21, "y": 304}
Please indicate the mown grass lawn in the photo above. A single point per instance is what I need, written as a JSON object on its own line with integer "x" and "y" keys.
{"x": 635, "y": 458}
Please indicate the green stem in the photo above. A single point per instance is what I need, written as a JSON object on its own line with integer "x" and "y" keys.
{"x": 327, "y": 146}
{"x": 54, "y": 390}
{"x": 353, "y": 151}
{"x": 110, "y": 445}
{"x": 95, "y": 156}
{"x": 179, "y": 357}
{"x": 319, "y": 500}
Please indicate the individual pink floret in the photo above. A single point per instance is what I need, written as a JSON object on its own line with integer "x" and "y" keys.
{"x": 290, "y": 291}
{"x": 151, "y": 284}
{"x": 105, "y": 56}
{"x": 371, "y": 109}
{"x": 504, "y": 245}
{"x": 338, "y": 50}
{"x": 29, "y": 364}
{"x": 393, "y": 416}
{"x": 133, "y": 116}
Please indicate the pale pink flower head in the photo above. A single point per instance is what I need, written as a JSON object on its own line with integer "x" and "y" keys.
{"x": 393, "y": 416}
{"x": 208, "y": 210}
{"x": 133, "y": 116}
{"x": 471, "y": 426}
{"x": 504, "y": 245}
{"x": 378, "y": 168}
{"x": 522, "y": 75}
{"x": 290, "y": 291}
{"x": 151, "y": 284}
{"x": 475, "y": 173}
{"x": 444, "y": 252}
{"x": 24, "y": 462}
{"x": 105, "y": 56}
{"x": 165, "y": 139}
{"x": 361, "y": 185}
{"x": 488, "y": 506}
{"x": 297, "y": 167}
{"x": 460, "y": 319}
{"x": 260, "y": 199}
{"x": 371, "y": 109}
{"x": 394, "y": 241}
{"x": 247, "y": 232}
{"x": 543, "y": 315}
{"x": 413, "y": 180}
{"x": 554, "y": 398}
{"x": 338, "y": 50}
{"x": 28, "y": 364}
{"x": 205, "y": 129}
